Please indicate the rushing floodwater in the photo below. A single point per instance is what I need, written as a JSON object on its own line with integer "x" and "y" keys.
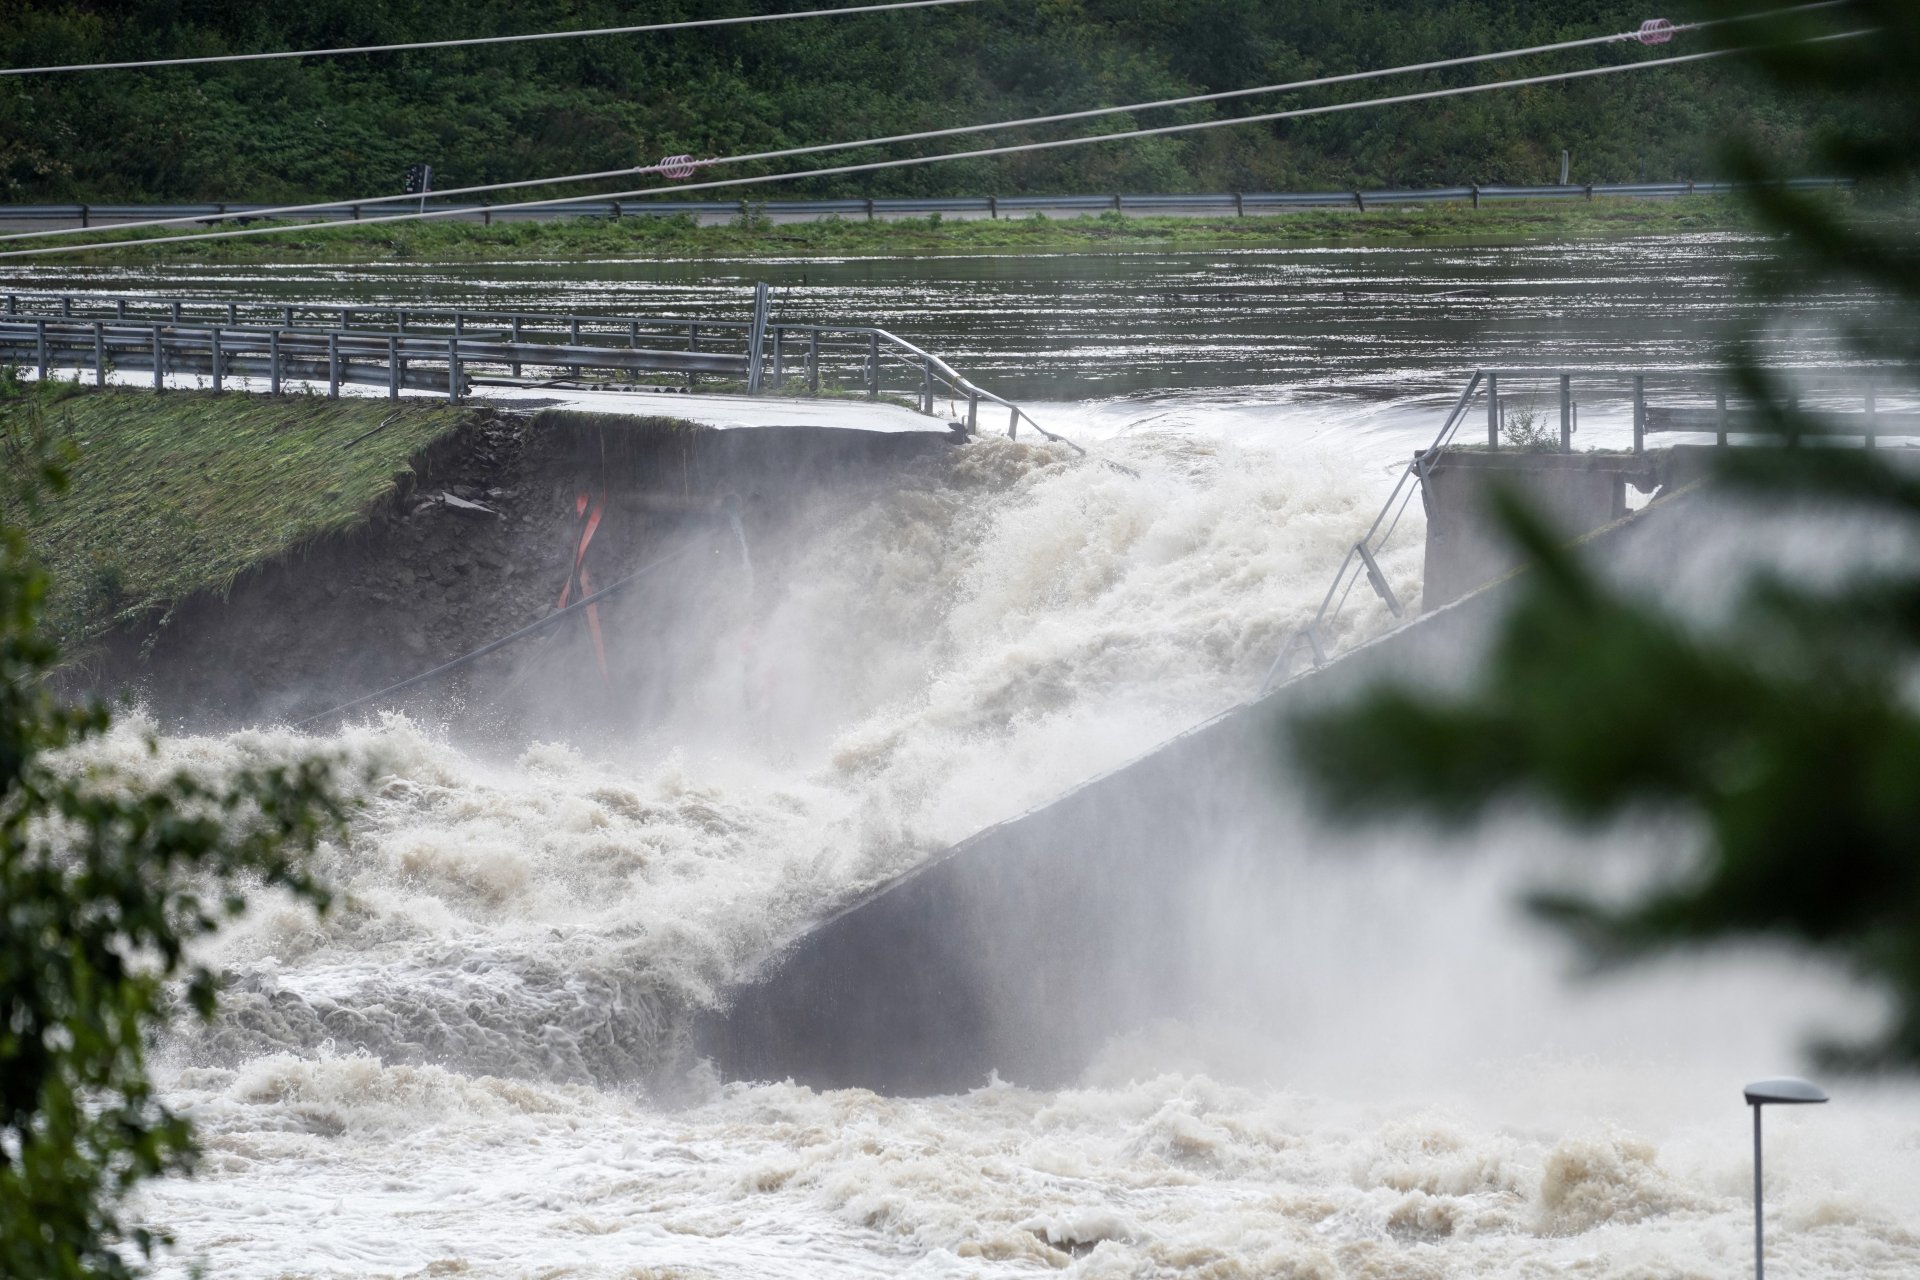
{"x": 452, "y": 1075}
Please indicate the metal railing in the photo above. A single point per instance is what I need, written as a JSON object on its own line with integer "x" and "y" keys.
{"x": 1238, "y": 204}
{"x": 1843, "y": 402}
{"x": 452, "y": 349}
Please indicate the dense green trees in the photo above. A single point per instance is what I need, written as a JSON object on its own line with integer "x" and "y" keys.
{"x": 342, "y": 126}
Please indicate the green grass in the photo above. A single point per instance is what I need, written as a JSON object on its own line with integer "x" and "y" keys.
{"x": 180, "y": 492}
{"x": 679, "y": 236}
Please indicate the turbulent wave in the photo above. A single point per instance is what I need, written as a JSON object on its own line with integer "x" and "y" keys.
{"x": 998, "y": 629}
{"x": 460, "y": 1071}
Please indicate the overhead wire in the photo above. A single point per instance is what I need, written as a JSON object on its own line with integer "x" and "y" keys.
{"x": 470, "y": 41}
{"x": 925, "y": 135}
{"x": 1429, "y": 95}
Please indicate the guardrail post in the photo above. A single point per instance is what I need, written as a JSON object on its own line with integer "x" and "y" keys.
{"x": 286, "y": 317}
{"x": 213, "y": 347}
{"x": 873, "y": 366}
{"x": 757, "y": 337}
{"x": 573, "y": 340}
{"x": 86, "y": 212}
{"x": 1639, "y": 413}
{"x": 869, "y": 210}
{"x": 393, "y": 368}
{"x": 346, "y": 317}
{"x": 453, "y": 371}
{"x": 159, "y": 362}
{"x": 926, "y": 384}
{"x": 13, "y": 306}
{"x": 779, "y": 358}
{"x": 1493, "y": 411}
{"x": 99, "y": 354}
{"x": 1239, "y": 204}
{"x": 66, "y": 306}
{"x": 176, "y": 313}
{"x": 1359, "y": 202}
{"x": 486, "y": 212}
{"x": 120, "y": 309}
{"x": 693, "y": 348}
{"x": 516, "y": 339}
{"x": 813, "y": 362}
{"x": 40, "y": 348}
{"x": 1720, "y": 405}
{"x": 400, "y": 321}
{"x": 616, "y": 211}
{"x": 333, "y": 365}
{"x": 973, "y": 414}
{"x": 1566, "y": 413}
{"x": 1476, "y": 195}
{"x": 993, "y": 207}
{"x": 273, "y": 363}
{"x": 1117, "y": 208}
{"x": 233, "y": 314}
{"x": 1013, "y": 423}
{"x": 459, "y": 324}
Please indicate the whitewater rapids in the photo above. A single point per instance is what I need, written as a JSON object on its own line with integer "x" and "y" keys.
{"x": 468, "y": 1069}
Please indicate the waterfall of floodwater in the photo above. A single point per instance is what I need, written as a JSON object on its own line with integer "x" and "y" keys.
{"x": 456, "y": 1072}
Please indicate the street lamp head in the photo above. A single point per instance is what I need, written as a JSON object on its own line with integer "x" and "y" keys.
{"x": 1786, "y": 1090}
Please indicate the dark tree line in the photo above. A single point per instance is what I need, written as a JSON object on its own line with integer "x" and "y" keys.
{"x": 345, "y": 126}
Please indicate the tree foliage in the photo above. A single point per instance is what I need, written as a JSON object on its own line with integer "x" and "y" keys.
{"x": 1789, "y": 731}
{"x": 105, "y": 881}
{"x": 337, "y": 127}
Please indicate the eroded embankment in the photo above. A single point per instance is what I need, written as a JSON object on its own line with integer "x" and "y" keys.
{"x": 477, "y": 534}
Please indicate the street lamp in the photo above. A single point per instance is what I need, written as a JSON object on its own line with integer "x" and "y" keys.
{"x": 1785, "y": 1091}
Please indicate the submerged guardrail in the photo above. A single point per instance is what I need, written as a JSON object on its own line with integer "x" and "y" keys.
{"x": 1236, "y": 203}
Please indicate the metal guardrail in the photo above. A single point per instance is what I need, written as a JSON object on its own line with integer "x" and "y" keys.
{"x": 444, "y": 349}
{"x": 1702, "y": 400}
{"x": 1239, "y": 204}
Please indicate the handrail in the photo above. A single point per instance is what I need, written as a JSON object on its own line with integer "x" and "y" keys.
{"x": 1364, "y": 550}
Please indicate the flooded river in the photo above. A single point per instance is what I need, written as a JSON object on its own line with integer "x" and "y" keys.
{"x": 448, "y": 1077}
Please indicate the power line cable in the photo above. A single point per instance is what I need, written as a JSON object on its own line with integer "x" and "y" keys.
{"x": 677, "y": 166}
{"x": 471, "y": 41}
{"x": 918, "y": 161}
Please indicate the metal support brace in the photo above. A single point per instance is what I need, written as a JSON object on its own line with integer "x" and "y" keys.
{"x": 1566, "y": 413}
{"x": 1378, "y": 579}
{"x": 757, "y": 337}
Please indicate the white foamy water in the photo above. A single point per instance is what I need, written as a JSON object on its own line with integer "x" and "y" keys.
{"x": 459, "y": 1071}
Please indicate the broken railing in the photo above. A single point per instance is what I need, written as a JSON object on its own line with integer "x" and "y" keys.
{"x": 451, "y": 350}
{"x": 1539, "y": 410}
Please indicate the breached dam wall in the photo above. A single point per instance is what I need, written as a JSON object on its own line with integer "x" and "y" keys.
{"x": 1023, "y": 950}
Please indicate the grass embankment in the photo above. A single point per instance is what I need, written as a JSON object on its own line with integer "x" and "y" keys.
{"x": 680, "y": 236}
{"x": 182, "y": 491}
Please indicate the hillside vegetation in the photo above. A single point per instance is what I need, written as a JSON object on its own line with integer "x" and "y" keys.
{"x": 336, "y": 127}
{"x": 177, "y": 493}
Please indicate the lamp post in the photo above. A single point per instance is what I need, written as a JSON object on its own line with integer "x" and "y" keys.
{"x": 1785, "y": 1091}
